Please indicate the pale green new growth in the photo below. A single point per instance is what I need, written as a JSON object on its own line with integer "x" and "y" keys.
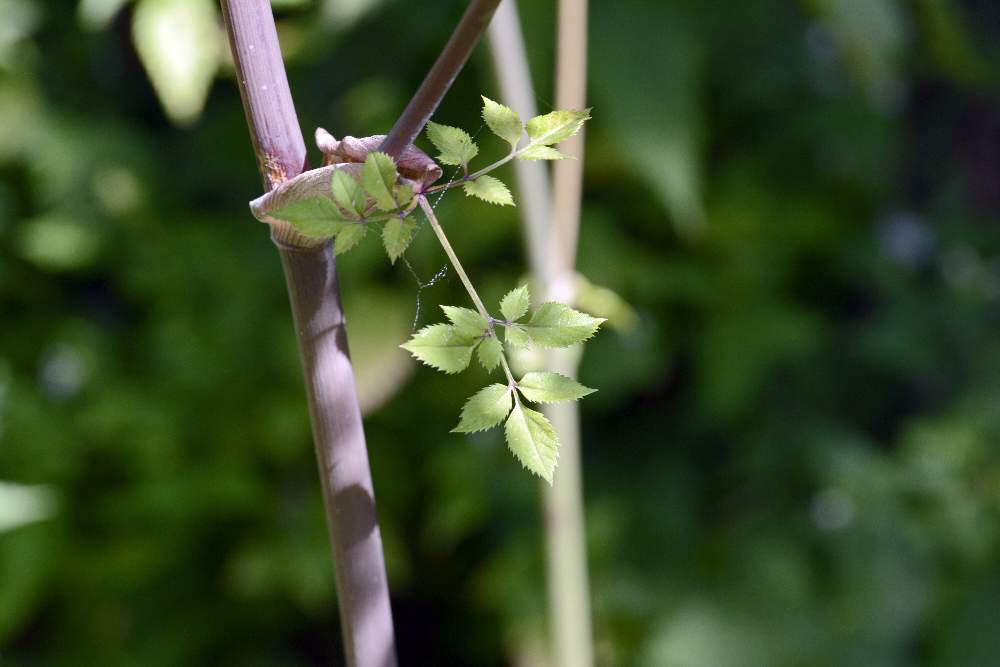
{"x": 533, "y": 441}
{"x": 545, "y": 387}
{"x": 348, "y": 194}
{"x": 490, "y": 351}
{"x": 378, "y": 176}
{"x": 487, "y": 408}
{"x": 539, "y": 152}
{"x": 503, "y": 121}
{"x": 441, "y": 347}
{"x": 456, "y": 146}
{"x": 556, "y": 126}
{"x": 489, "y": 189}
{"x": 515, "y": 303}
{"x": 516, "y": 336}
{"x": 396, "y": 236}
{"x": 316, "y": 217}
{"x": 348, "y": 237}
{"x": 346, "y": 214}
{"x": 558, "y": 325}
{"x": 468, "y": 323}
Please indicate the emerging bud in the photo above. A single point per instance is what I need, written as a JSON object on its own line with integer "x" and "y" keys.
{"x": 413, "y": 163}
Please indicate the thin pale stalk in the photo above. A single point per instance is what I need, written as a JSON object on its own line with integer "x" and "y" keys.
{"x": 568, "y": 584}
{"x": 460, "y": 270}
{"x": 510, "y": 63}
{"x": 439, "y": 79}
{"x": 310, "y": 272}
{"x": 552, "y": 254}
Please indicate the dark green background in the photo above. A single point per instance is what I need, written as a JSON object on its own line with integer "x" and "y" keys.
{"x": 792, "y": 459}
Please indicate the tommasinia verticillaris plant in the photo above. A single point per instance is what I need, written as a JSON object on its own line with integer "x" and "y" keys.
{"x": 368, "y": 188}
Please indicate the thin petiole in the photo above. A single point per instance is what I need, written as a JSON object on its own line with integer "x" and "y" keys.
{"x": 448, "y": 250}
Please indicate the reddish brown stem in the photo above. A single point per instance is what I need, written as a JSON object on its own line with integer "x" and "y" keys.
{"x": 437, "y": 82}
{"x": 310, "y": 271}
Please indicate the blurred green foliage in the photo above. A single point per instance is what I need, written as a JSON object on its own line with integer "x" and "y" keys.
{"x": 794, "y": 456}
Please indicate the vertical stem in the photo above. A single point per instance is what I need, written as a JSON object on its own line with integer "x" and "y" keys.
{"x": 510, "y": 62}
{"x": 569, "y": 590}
{"x": 310, "y": 271}
{"x": 439, "y": 79}
{"x": 552, "y": 251}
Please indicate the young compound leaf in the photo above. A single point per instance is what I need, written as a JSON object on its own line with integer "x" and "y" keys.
{"x": 402, "y": 193}
{"x": 503, "y": 121}
{"x": 468, "y": 323}
{"x": 556, "y": 126}
{"x": 489, "y": 352}
{"x": 489, "y": 189}
{"x": 378, "y": 176}
{"x": 558, "y": 325}
{"x": 348, "y": 194}
{"x": 515, "y": 335}
{"x": 316, "y": 217}
{"x": 455, "y": 145}
{"x": 540, "y": 152}
{"x": 348, "y": 237}
{"x": 543, "y": 387}
{"x": 441, "y": 347}
{"x": 396, "y": 236}
{"x": 515, "y": 303}
{"x": 487, "y": 408}
{"x": 533, "y": 441}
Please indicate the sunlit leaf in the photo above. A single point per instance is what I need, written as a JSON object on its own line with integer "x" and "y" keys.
{"x": 541, "y": 153}
{"x": 490, "y": 351}
{"x": 396, "y": 236}
{"x": 316, "y": 217}
{"x": 558, "y": 325}
{"x": 533, "y": 441}
{"x": 441, "y": 347}
{"x": 347, "y": 192}
{"x": 556, "y": 126}
{"x": 502, "y": 121}
{"x": 467, "y": 322}
{"x": 545, "y": 387}
{"x": 515, "y": 303}
{"x": 455, "y": 145}
{"x": 487, "y": 408}
{"x": 516, "y": 335}
{"x": 489, "y": 189}
{"x": 378, "y": 176}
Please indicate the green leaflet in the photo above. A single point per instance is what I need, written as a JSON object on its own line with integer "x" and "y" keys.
{"x": 556, "y": 126}
{"x": 441, "y": 347}
{"x": 455, "y": 145}
{"x": 487, "y": 408}
{"x": 403, "y": 194}
{"x": 489, "y": 189}
{"x": 544, "y": 387}
{"x": 316, "y": 217}
{"x": 348, "y": 194}
{"x": 468, "y": 323}
{"x": 533, "y": 441}
{"x": 396, "y": 236}
{"x": 378, "y": 176}
{"x": 348, "y": 237}
{"x": 558, "y": 325}
{"x": 503, "y": 121}
{"x": 515, "y": 303}
{"x": 489, "y": 352}
{"x": 540, "y": 152}
{"x": 515, "y": 335}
